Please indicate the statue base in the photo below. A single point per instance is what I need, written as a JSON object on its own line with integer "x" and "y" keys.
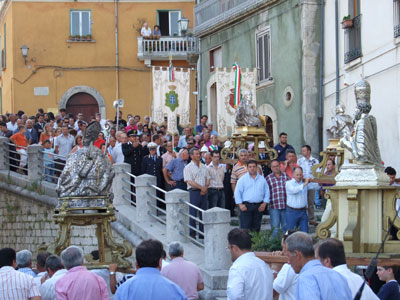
{"x": 87, "y": 211}
{"x": 362, "y": 175}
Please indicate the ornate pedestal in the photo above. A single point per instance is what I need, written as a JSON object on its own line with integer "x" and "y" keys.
{"x": 362, "y": 205}
{"x": 86, "y": 211}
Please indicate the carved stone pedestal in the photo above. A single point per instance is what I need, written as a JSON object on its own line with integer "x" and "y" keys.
{"x": 86, "y": 211}
{"x": 361, "y": 209}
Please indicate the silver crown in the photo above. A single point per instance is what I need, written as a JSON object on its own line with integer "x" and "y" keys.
{"x": 362, "y": 91}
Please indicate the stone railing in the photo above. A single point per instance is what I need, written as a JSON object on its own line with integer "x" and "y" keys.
{"x": 135, "y": 202}
{"x": 161, "y": 49}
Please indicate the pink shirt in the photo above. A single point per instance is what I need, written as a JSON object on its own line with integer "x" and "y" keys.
{"x": 166, "y": 158}
{"x": 80, "y": 284}
{"x": 185, "y": 274}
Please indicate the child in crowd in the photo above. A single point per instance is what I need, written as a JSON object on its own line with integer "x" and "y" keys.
{"x": 390, "y": 290}
{"x": 48, "y": 161}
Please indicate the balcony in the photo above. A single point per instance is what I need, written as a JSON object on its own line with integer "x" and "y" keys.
{"x": 352, "y": 41}
{"x": 215, "y": 13}
{"x": 180, "y": 48}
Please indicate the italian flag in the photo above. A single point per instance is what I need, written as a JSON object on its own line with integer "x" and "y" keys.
{"x": 171, "y": 71}
{"x": 238, "y": 77}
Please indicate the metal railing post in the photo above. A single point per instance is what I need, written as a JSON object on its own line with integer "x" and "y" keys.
{"x": 118, "y": 182}
{"x": 174, "y": 207}
{"x": 3, "y": 159}
{"x": 216, "y": 228}
{"x": 143, "y": 192}
{"x": 35, "y": 162}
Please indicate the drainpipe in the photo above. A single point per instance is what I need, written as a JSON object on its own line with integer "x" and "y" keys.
{"x": 116, "y": 52}
{"x": 321, "y": 78}
{"x": 337, "y": 49}
{"x": 200, "y": 78}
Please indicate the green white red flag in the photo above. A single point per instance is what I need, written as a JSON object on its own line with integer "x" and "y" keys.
{"x": 238, "y": 78}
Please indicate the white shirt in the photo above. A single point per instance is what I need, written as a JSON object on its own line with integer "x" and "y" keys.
{"x": 307, "y": 165}
{"x": 38, "y": 279}
{"x": 64, "y": 144}
{"x": 145, "y": 32}
{"x": 296, "y": 194}
{"x": 105, "y": 274}
{"x": 286, "y": 283}
{"x": 12, "y": 127}
{"x": 16, "y": 285}
{"x": 48, "y": 288}
{"x": 355, "y": 281}
{"x": 250, "y": 278}
{"x": 117, "y": 155}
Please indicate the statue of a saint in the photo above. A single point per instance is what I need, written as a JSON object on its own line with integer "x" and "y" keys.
{"x": 363, "y": 145}
{"x": 246, "y": 113}
{"x": 88, "y": 172}
{"x": 342, "y": 124}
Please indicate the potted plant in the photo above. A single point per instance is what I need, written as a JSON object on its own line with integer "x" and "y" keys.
{"x": 88, "y": 37}
{"x": 347, "y": 22}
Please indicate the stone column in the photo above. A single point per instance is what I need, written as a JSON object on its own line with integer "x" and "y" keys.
{"x": 120, "y": 183}
{"x": 143, "y": 192}
{"x": 4, "y": 150}
{"x": 35, "y": 162}
{"x": 216, "y": 228}
{"x": 175, "y": 217}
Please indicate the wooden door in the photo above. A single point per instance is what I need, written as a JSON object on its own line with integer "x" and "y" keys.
{"x": 82, "y": 103}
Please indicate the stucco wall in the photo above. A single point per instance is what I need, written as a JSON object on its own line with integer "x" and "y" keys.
{"x": 284, "y": 21}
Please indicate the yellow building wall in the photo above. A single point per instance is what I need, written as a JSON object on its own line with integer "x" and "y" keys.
{"x": 55, "y": 63}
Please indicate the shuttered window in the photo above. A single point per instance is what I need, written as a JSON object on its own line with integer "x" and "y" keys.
{"x": 80, "y": 22}
{"x": 264, "y": 56}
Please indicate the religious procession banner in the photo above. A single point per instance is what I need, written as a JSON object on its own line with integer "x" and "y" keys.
{"x": 226, "y": 102}
{"x": 171, "y": 92}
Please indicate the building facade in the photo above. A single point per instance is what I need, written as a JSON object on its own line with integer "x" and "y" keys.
{"x": 83, "y": 55}
{"x": 369, "y": 48}
{"x": 280, "y": 40}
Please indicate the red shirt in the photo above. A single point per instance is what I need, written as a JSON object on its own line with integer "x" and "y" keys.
{"x": 98, "y": 142}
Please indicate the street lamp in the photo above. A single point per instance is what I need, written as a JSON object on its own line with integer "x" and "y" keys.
{"x": 24, "y": 51}
{"x": 183, "y": 25}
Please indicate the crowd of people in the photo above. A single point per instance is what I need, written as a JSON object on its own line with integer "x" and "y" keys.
{"x": 191, "y": 161}
{"x": 313, "y": 271}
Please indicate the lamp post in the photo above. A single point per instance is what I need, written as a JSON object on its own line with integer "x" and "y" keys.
{"x": 183, "y": 25}
{"x": 24, "y": 51}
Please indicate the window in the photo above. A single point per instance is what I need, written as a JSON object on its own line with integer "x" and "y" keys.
{"x": 215, "y": 58}
{"x": 80, "y": 22}
{"x": 352, "y": 36}
{"x": 396, "y": 17}
{"x": 168, "y": 21}
{"x": 264, "y": 55}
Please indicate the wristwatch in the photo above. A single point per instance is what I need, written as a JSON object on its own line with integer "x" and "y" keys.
{"x": 112, "y": 273}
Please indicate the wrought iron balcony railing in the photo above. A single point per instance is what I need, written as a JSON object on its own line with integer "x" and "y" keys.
{"x": 162, "y": 48}
{"x": 211, "y": 13}
{"x": 352, "y": 41}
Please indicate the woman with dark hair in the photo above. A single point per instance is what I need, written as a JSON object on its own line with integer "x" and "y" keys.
{"x": 145, "y": 129}
{"x": 50, "y": 116}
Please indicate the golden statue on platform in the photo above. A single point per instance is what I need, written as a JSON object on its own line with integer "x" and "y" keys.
{"x": 250, "y": 129}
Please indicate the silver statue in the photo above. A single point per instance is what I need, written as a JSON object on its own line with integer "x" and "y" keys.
{"x": 364, "y": 143}
{"x": 342, "y": 124}
{"x": 246, "y": 113}
{"x": 88, "y": 171}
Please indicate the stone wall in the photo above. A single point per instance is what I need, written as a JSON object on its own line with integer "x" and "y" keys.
{"x": 26, "y": 224}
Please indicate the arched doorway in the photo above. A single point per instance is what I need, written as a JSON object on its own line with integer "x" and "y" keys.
{"x": 271, "y": 126}
{"x": 82, "y": 103}
{"x": 270, "y": 130}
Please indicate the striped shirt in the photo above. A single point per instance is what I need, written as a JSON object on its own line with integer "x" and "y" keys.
{"x": 16, "y": 285}
{"x": 238, "y": 171}
{"x": 278, "y": 190}
{"x": 198, "y": 174}
{"x": 125, "y": 278}
{"x": 216, "y": 175}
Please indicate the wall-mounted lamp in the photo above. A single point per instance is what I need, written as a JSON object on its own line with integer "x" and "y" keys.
{"x": 183, "y": 25}
{"x": 24, "y": 51}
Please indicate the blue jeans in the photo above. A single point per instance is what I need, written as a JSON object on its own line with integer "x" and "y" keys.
{"x": 200, "y": 201}
{"x": 316, "y": 199}
{"x": 278, "y": 220}
{"x": 297, "y": 218}
{"x": 50, "y": 172}
{"x": 216, "y": 198}
{"x": 251, "y": 218}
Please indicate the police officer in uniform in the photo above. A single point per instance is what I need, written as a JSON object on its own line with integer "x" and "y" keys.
{"x": 152, "y": 165}
{"x": 133, "y": 153}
